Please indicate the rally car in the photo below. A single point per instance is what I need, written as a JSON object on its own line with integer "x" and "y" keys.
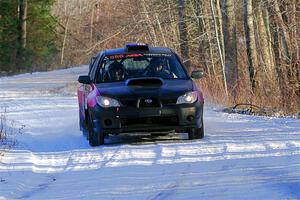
{"x": 139, "y": 89}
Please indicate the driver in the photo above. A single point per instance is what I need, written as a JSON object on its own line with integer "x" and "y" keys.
{"x": 116, "y": 71}
{"x": 157, "y": 69}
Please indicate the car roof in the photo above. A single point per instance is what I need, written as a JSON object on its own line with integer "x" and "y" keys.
{"x": 124, "y": 50}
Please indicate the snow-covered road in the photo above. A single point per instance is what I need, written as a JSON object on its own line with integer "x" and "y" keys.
{"x": 241, "y": 157}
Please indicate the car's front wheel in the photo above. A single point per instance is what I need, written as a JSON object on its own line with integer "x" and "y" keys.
{"x": 196, "y": 133}
{"x": 95, "y": 138}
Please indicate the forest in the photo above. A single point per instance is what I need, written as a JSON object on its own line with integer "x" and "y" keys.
{"x": 249, "y": 49}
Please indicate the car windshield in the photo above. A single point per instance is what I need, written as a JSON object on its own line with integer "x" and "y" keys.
{"x": 124, "y": 66}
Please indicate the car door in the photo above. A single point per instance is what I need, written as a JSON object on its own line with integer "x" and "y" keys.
{"x": 84, "y": 89}
{"x": 88, "y": 88}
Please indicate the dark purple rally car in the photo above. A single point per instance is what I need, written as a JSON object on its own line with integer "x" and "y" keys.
{"x": 137, "y": 89}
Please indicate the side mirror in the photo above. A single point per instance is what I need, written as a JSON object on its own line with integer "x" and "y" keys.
{"x": 197, "y": 74}
{"x": 84, "y": 80}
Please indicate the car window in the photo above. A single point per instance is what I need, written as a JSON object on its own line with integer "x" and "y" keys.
{"x": 93, "y": 67}
{"x": 123, "y": 66}
{"x": 132, "y": 64}
{"x": 92, "y": 61}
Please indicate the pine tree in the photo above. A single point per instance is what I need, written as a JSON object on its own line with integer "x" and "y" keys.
{"x": 26, "y": 40}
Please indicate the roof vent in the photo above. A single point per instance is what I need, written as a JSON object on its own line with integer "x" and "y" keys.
{"x": 137, "y": 47}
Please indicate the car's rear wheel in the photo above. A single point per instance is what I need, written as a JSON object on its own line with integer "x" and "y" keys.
{"x": 95, "y": 138}
{"x": 196, "y": 133}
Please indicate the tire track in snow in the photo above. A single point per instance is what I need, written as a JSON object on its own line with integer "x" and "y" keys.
{"x": 57, "y": 162}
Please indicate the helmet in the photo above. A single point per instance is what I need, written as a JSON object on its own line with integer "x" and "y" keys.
{"x": 116, "y": 71}
{"x": 156, "y": 65}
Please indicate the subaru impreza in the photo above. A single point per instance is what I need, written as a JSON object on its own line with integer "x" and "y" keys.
{"x": 136, "y": 89}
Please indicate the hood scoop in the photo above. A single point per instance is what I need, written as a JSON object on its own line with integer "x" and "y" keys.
{"x": 144, "y": 82}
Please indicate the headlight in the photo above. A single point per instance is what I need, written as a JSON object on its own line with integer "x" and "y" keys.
{"x": 107, "y": 102}
{"x": 189, "y": 97}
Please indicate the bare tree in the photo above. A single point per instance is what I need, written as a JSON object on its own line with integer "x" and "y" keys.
{"x": 64, "y": 42}
{"x": 230, "y": 42}
{"x": 183, "y": 33}
{"x": 268, "y": 64}
{"x": 250, "y": 42}
{"x": 220, "y": 50}
{"x": 197, "y": 11}
{"x": 286, "y": 45}
{"x": 149, "y": 22}
{"x": 258, "y": 37}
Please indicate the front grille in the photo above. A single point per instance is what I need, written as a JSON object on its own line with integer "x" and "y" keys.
{"x": 149, "y": 103}
{"x": 163, "y": 121}
{"x": 145, "y": 102}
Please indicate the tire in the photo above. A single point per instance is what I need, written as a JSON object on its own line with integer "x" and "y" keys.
{"x": 94, "y": 138}
{"x": 84, "y": 125}
{"x": 196, "y": 133}
{"x": 85, "y": 128}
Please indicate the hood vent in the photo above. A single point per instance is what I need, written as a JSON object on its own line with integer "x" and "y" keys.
{"x": 145, "y": 82}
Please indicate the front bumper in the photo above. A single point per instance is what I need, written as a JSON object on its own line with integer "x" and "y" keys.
{"x": 131, "y": 119}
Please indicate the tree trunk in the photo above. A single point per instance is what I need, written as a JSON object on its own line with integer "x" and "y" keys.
{"x": 172, "y": 28}
{"x": 161, "y": 30}
{"x": 150, "y": 24}
{"x": 250, "y": 43}
{"x": 230, "y": 43}
{"x": 220, "y": 24}
{"x": 269, "y": 36}
{"x": 276, "y": 47}
{"x": 22, "y": 34}
{"x": 64, "y": 42}
{"x": 209, "y": 38}
{"x": 200, "y": 28}
{"x": 297, "y": 29}
{"x": 264, "y": 44}
{"x": 219, "y": 44}
{"x": 91, "y": 24}
{"x": 286, "y": 45}
{"x": 183, "y": 34}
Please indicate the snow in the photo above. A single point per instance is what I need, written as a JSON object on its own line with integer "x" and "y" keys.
{"x": 241, "y": 157}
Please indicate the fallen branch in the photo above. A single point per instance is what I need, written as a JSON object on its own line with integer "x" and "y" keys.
{"x": 250, "y": 109}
